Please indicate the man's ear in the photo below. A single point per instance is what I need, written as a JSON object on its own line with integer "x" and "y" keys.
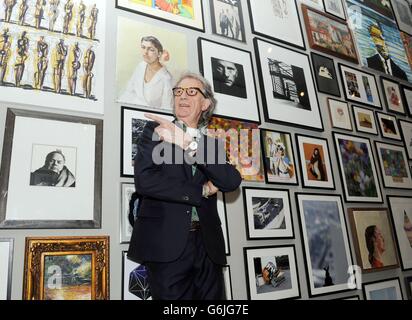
{"x": 205, "y": 104}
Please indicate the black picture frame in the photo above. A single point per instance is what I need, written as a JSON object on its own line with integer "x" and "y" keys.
{"x": 406, "y": 92}
{"x": 373, "y": 129}
{"x": 408, "y": 283}
{"x": 394, "y": 97}
{"x": 406, "y": 136}
{"x": 139, "y": 279}
{"x": 388, "y": 126}
{"x": 222, "y": 212}
{"x": 326, "y": 66}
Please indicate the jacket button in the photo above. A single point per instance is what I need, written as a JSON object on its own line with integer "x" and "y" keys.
{"x": 186, "y": 198}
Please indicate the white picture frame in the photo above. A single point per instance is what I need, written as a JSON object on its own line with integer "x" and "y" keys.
{"x": 126, "y": 229}
{"x": 221, "y": 211}
{"x": 6, "y": 267}
{"x": 389, "y": 289}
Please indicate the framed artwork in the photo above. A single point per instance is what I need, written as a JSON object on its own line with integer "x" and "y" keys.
{"x": 317, "y": 4}
{"x": 69, "y": 268}
{"x": 394, "y": 166}
{"x": 325, "y": 74}
{"x": 277, "y": 20}
{"x": 359, "y": 86}
{"x": 329, "y": 34}
{"x": 287, "y": 86}
{"x": 132, "y": 125}
{"x": 221, "y": 210}
{"x": 325, "y": 242}
{"x": 388, "y": 126}
{"x": 339, "y": 114}
{"x": 6, "y": 267}
{"x": 126, "y": 228}
{"x": 407, "y": 98}
{"x": 401, "y": 213}
{"x": 267, "y": 213}
{"x": 379, "y": 6}
{"x": 364, "y": 120}
{"x": 54, "y": 163}
{"x": 228, "y": 283}
{"x": 271, "y": 273}
{"x": 351, "y": 298}
{"x": 406, "y": 130}
{"x": 315, "y": 162}
{"x": 187, "y": 14}
{"x": 373, "y": 239}
{"x": 392, "y": 94}
{"x": 403, "y": 14}
{"x": 227, "y": 19}
{"x": 135, "y": 285}
{"x": 278, "y": 157}
{"x": 231, "y": 74}
{"x": 407, "y": 44}
{"x": 163, "y": 49}
{"x": 357, "y": 168}
{"x": 389, "y": 289}
{"x": 408, "y": 282}
{"x": 335, "y": 7}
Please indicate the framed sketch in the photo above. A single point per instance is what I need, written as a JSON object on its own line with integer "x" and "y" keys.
{"x": 271, "y": 273}
{"x": 401, "y": 213}
{"x": 277, "y": 20}
{"x": 403, "y": 14}
{"x": 364, "y": 120}
{"x": 6, "y": 267}
{"x": 227, "y": 19}
{"x": 389, "y": 289}
{"x": 357, "y": 168}
{"x": 335, "y": 7}
{"x": 339, "y": 114}
{"x": 359, "y": 86}
{"x": 325, "y": 242}
{"x": 325, "y": 74}
{"x": 187, "y": 14}
{"x": 388, "y": 126}
{"x": 68, "y": 268}
{"x": 54, "y": 163}
{"x": 126, "y": 228}
{"x": 373, "y": 239}
{"x": 231, "y": 74}
{"x": 278, "y": 157}
{"x": 406, "y": 130}
{"x": 268, "y": 213}
{"x": 407, "y": 98}
{"x": 287, "y": 86}
{"x": 329, "y": 34}
{"x": 315, "y": 162}
{"x": 221, "y": 210}
{"x": 408, "y": 283}
{"x": 317, "y": 4}
{"x": 135, "y": 285}
{"x": 132, "y": 125}
{"x": 392, "y": 94}
{"x": 228, "y": 282}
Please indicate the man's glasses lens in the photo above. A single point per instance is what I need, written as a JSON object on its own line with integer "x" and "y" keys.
{"x": 191, "y": 91}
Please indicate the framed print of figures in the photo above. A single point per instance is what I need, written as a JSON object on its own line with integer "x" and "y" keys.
{"x": 271, "y": 273}
{"x": 359, "y": 86}
{"x": 6, "y": 267}
{"x": 267, "y": 213}
{"x": 401, "y": 210}
{"x": 392, "y": 94}
{"x": 279, "y": 159}
{"x": 228, "y": 282}
{"x": 221, "y": 210}
{"x": 126, "y": 227}
{"x": 227, "y": 19}
{"x": 383, "y": 290}
{"x": 325, "y": 74}
{"x": 403, "y": 14}
{"x": 339, "y": 114}
{"x": 388, "y": 126}
{"x": 53, "y": 60}
{"x": 315, "y": 162}
{"x": 277, "y": 20}
{"x": 287, "y": 86}
{"x": 364, "y": 120}
{"x": 54, "y": 163}
{"x": 325, "y": 242}
{"x": 394, "y": 166}
{"x": 407, "y": 98}
{"x": 335, "y": 7}
{"x": 406, "y": 129}
{"x": 373, "y": 239}
{"x": 187, "y": 14}
{"x": 135, "y": 285}
{"x": 69, "y": 268}
{"x": 357, "y": 167}
{"x": 142, "y": 47}
{"x": 329, "y": 35}
{"x": 230, "y": 72}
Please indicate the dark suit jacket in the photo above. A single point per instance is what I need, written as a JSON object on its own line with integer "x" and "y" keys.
{"x": 376, "y": 63}
{"x": 169, "y": 191}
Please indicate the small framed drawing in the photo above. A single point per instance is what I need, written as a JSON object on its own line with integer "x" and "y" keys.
{"x": 339, "y": 114}
{"x": 359, "y": 86}
{"x": 389, "y": 289}
{"x": 403, "y": 14}
{"x": 394, "y": 166}
{"x": 68, "y": 268}
{"x": 325, "y": 74}
{"x": 271, "y": 273}
{"x": 392, "y": 94}
{"x": 406, "y": 130}
{"x": 135, "y": 285}
{"x": 230, "y": 72}
{"x": 407, "y": 97}
{"x": 228, "y": 282}
{"x": 267, "y": 213}
{"x": 54, "y": 163}
{"x": 335, "y": 7}
{"x": 6, "y": 267}
{"x": 373, "y": 239}
{"x": 388, "y": 126}
{"x": 357, "y": 167}
{"x": 325, "y": 242}
{"x": 227, "y": 19}
{"x": 278, "y": 157}
{"x": 364, "y": 120}
{"x": 126, "y": 228}
{"x": 315, "y": 162}
{"x": 221, "y": 210}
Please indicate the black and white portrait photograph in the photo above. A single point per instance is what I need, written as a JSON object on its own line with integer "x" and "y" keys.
{"x": 227, "y": 19}
{"x": 325, "y": 74}
{"x": 228, "y": 78}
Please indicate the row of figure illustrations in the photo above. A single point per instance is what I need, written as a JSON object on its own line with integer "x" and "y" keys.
{"x": 70, "y": 12}
{"x": 41, "y": 59}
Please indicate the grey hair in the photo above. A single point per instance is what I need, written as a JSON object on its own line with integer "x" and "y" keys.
{"x": 207, "y": 91}
{"x": 157, "y": 44}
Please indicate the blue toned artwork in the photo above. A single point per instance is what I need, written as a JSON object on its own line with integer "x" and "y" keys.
{"x": 384, "y": 294}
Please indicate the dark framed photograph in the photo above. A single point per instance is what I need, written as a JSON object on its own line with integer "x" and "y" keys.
{"x": 392, "y": 94}
{"x": 407, "y": 97}
{"x": 221, "y": 210}
{"x": 325, "y": 74}
{"x": 6, "y": 267}
{"x": 227, "y": 19}
{"x": 271, "y": 273}
{"x": 403, "y": 14}
{"x": 335, "y": 8}
{"x": 406, "y": 130}
{"x": 388, "y": 126}
{"x": 389, "y": 289}
{"x": 48, "y": 170}
{"x": 364, "y": 120}
{"x": 135, "y": 284}
{"x": 339, "y": 114}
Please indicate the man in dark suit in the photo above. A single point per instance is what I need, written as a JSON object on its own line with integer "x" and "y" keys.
{"x": 178, "y": 170}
